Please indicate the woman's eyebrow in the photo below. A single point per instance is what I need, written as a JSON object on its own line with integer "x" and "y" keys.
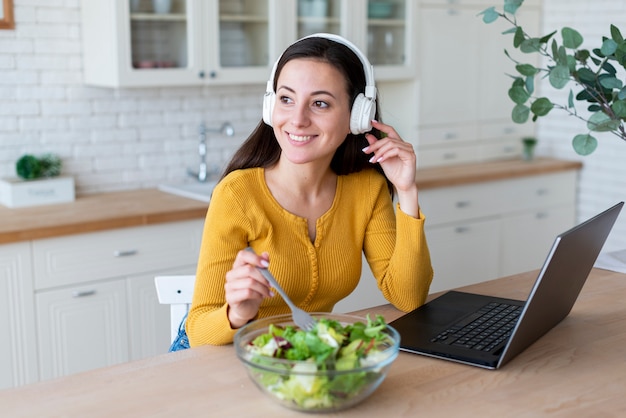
{"x": 314, "y": 93}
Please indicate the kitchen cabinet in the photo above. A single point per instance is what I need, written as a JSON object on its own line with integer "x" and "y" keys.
{"x": 127, "y": 43}
{"x": 78, "y": 302}
{"x": 464, "y": 109}
{"x": 18, "y": 349}
{"x": 486, "y": 230}
{"x": 81, "y": 328}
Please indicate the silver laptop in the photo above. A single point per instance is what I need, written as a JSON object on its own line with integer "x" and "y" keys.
{"x": 488, "y": 331}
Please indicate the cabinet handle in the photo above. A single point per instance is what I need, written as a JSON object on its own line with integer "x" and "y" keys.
{"x": 462, "y": 204}
{"x": 541, "y": 215}
{"x": 201, "y": 74}
{"x": 461, "y": 229}
{"x": 542, "y": 192}
{"x": 82, "y": 293}
{"x": 124, "y": 253}
{"x": 449, "y": 156}
{"x": 449, "y": 135}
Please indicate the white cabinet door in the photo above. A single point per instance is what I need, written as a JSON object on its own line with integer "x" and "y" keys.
{"x": 81, "y": 328}
{"x": 18, "y": 355}
{"x": 199, "y": 42}
{"x": 527, "y": 237}
{"x": 464, "y": 253}
{"x": 448, "y": 52}
{"x": 465, "y": 77}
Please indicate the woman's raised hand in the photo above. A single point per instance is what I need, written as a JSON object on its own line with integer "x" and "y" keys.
{"x": 245, "y": 287}
{"x": 398, "y": 160}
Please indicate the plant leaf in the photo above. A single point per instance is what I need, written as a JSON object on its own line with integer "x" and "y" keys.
{"x": 619, "y": 108}
{"x": 584, "y": 144}
{"x": 518, "y": 94}
{"x": 520, "y": 113}
{"x": 526, "y": 69}
{"x": 570, "y": 99}
{"x": 489, "y": 15}
{"x": 528, "y": 46}
{"x": 601, "y": 122}
{"x": 546, "y": 38}
{"x": 572, "y": 39}
{"x": 511, "y": 6}
{"x": 519, "y": 37}
{"x": 559, "y": 76}
{"x": 582, "y": 55}
{"x": 530, "y": 84}
{"x": 609, "y": 68}
{"x": 586, "y": 76}
{"x": 616, "y": 34}
{"x": 609, "y": 46}
{"x": 622, "y": 94}
{"x": 611, "y": 82}
{"x": 541, "y": 106}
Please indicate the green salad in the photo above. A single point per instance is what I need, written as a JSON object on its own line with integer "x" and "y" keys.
{"x": 327, "y": 358}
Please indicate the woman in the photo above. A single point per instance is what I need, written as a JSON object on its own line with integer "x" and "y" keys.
{"x": 310, "y": 196}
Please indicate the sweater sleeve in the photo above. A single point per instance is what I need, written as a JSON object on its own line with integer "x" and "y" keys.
{"x": 397, "y": 252}
{"x": 207, "y": 322}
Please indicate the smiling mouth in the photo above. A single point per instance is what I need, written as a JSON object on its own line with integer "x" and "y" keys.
{"x": 299, "y": 138}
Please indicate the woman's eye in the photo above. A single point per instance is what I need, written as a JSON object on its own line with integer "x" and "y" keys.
{"x": 285, "y": 99}
{"x": 320, "y": 104}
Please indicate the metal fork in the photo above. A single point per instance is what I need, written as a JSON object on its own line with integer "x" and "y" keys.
{"x": 300, "y": 317}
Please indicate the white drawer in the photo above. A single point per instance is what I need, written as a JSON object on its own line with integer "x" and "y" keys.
{"x": 456, "y": 203}
{"x": 448, "y": 134}
{"x": 505, "y": 130}
{"x": 115, "y": 253}
{"x": 536, "y": 192}
{"x": 441, "y": 156}
{"x": 501, "y": 149}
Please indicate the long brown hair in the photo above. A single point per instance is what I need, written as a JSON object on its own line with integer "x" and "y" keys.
{"x": 261, "y": 149}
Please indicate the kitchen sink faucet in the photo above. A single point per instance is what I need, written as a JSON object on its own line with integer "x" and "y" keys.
{"x": 226, "y": 129}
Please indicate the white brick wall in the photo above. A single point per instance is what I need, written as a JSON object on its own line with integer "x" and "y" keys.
{"x": 108, "y": 139}
{"x": 603, "y": 178}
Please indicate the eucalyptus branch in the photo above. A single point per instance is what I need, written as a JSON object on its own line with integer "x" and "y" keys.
{"x": 604, "y": 93}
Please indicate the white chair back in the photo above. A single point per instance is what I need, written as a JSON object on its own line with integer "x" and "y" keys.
{"x": 175, "y": 291}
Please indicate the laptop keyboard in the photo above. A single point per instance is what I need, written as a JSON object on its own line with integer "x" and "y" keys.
{"x": 485, "y": 330}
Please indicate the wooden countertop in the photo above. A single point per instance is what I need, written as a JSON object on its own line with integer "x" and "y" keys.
{"x": 576, "y": 369}
{"x": 96, "y": 213}
{"x": 455, "y": 175}
{"x": 150, "y": 206}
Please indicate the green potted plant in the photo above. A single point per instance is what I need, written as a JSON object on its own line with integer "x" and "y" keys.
{"x": 592, "y": 74}
{"x": 39, "y": 182}
{"x": 528, "y": 147}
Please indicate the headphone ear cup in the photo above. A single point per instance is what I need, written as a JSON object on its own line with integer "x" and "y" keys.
{"x": 363, "y": 111}
{"x": 268, "y": 107}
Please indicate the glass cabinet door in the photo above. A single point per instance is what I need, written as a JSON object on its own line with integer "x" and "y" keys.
{"x": 387, "y": 32}
{"x": 244, "y": 33}
{"x": 319, "y": 16}
{"x": 159, "y": 34}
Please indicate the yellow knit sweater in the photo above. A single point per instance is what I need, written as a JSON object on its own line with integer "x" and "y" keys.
{"x": 315, "y": 275}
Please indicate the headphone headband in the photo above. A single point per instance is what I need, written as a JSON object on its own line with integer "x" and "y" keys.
{"x": 364, "y": 106}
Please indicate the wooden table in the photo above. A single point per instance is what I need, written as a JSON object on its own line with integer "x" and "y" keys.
{"x": 577, "y": 369}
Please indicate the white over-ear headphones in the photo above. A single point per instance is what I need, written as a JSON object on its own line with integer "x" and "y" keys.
{"x": 364, "y": 106}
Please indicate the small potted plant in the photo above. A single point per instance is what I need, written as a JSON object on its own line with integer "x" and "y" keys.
{"x": 528, "y": 150}
{"x": 39, "y": 182}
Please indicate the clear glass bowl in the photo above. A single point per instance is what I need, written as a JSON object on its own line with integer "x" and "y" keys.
{"x": 299, "y": 385}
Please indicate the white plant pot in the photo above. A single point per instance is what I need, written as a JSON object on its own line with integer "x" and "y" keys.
{"x": 18, "y": 193}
